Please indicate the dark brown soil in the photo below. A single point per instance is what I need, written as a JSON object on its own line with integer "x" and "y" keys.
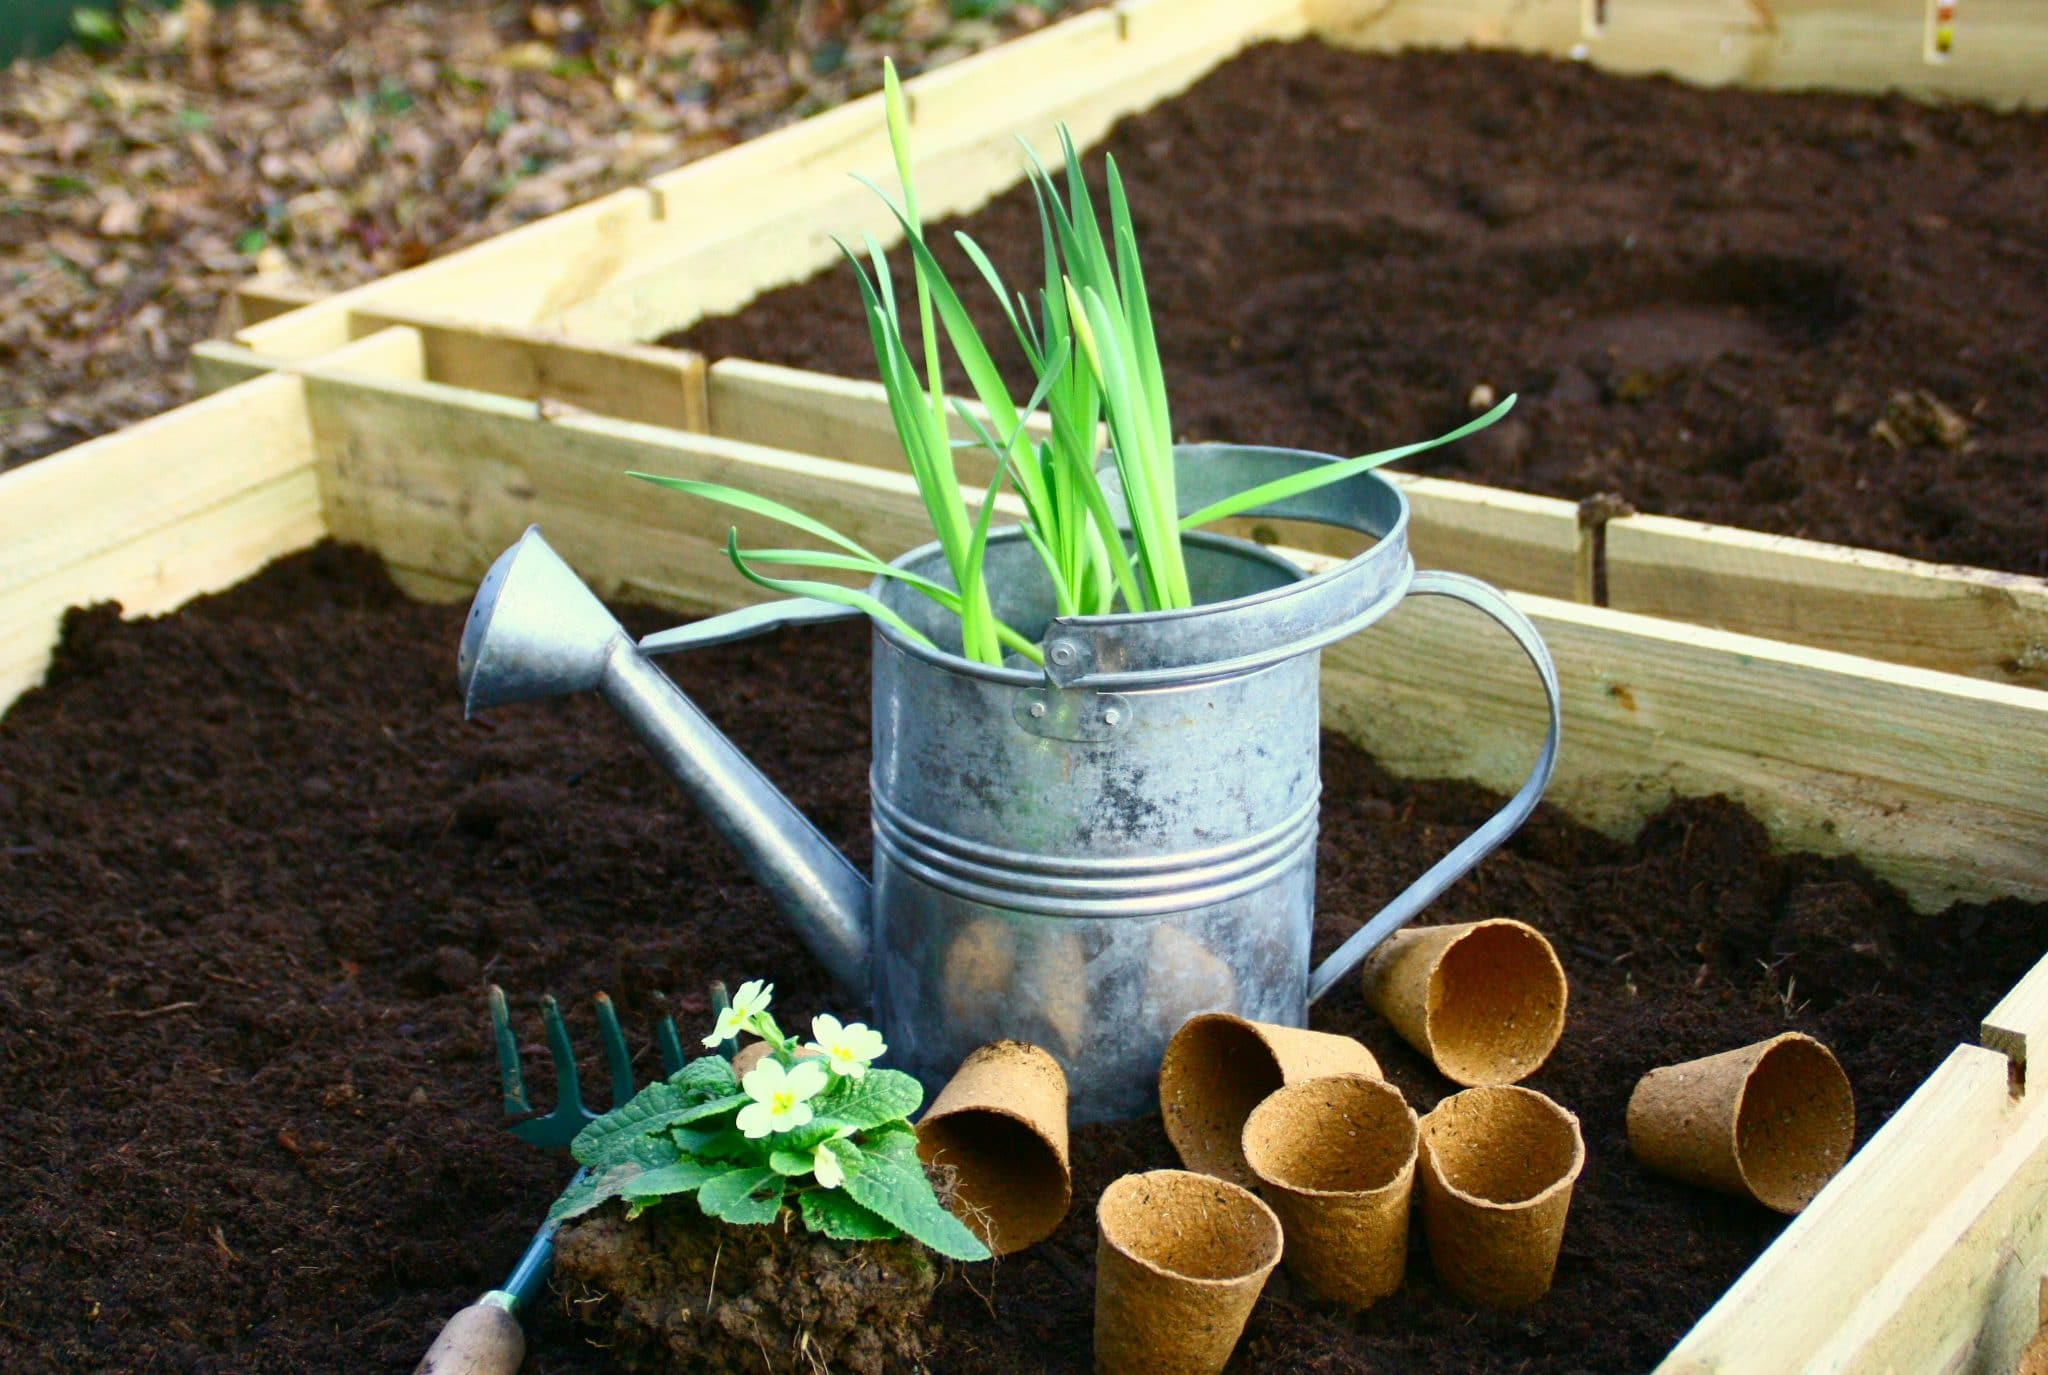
{"x": 1707, "y": 300}
{"x": 677, "y": 1293}
{"x": 256, "y": 871}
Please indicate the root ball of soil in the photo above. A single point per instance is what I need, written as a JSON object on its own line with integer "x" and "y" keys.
{"x": 683, "y": 1294}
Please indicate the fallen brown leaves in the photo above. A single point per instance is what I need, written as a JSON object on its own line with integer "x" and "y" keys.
{"x": 339, "y": 140}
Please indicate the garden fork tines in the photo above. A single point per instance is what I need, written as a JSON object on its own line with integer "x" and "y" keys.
{"x": 559, "y": 1125}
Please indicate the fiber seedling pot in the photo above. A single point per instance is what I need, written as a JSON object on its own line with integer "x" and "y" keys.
{"x": 1335, "y": 1159}
{"x": 1773, "y": 1121}
{"x": 1180, "y": 1260}
{"x": 1001, "y": 1124}
{"x": 1498, "y": 1166}
{"x": 1219, "y": 1067}
{"x": 1485, "y": 1001}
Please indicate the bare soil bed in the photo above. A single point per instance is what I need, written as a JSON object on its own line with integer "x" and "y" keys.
{"x": 256, "y": 873}
{"x": 1813, "y": 315}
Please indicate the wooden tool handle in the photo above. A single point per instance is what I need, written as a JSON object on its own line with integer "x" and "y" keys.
{"x": 483, "y": 1339}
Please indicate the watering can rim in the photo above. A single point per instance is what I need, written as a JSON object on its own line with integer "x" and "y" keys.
{"x": 1390, "y": 545}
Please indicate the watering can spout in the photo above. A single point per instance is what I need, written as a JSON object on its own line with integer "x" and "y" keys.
{"x": 536, "y": 631}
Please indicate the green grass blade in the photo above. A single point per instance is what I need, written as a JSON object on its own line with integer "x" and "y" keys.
{"x": 1297, "y": 483}
{"x": 757, "y": 505}
{"x": 825, "y": 592}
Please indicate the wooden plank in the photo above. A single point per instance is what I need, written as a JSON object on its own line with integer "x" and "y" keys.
{"x": 657, "y": 386}
{"x": 517, "y": 277}
{"x": 1934, "y": 780}
{"x": 1784, "y": 1310}
{"x": 189, "y": 502}
{"x": 2020, "y": 1023}
{"x": 440, "y": 481}
{"x": 1966, "y": 1293}
{"x": 1931, "y": 779}
{"x": 1959, "y": 620}
{"x": 267, "y": 297}
{"x": 719, "y": 231}
{"x": 777, "y": 217}
{"x": 1508, "y": 537}
{"x": 1864, "y": 46}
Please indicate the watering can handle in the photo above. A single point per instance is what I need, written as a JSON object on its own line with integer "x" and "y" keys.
{"x": 1500, "y": 826}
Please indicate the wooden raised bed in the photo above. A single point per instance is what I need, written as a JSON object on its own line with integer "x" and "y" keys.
{"x": 1855, "y": 703}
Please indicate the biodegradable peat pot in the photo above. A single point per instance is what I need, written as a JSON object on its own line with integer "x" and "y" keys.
{"x": 1484, "y": 1000}
{"x": 1498, "y": 1166}
{"x": 1219, "y": 1067}
{"x": 1335, "y": 1158}
{"x": 1773, "y": 1121}
{"x": 1180, "y": 1259}
{"x": 1001, "y": 1125}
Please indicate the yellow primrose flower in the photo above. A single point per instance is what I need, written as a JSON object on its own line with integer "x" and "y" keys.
{"x": 825, "y": 1165}
{"x": 750, "y": 1002}
{"x": 849, "y": 1049}
{"x": 781, "y": 1097}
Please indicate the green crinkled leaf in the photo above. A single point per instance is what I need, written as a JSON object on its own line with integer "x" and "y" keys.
{"x": 879, "y": 1096}
{"x": 889, "y": 1180}
{"x": 683, "y": 1177}
{"x": 722, "y": 1143}
{"x": 730, "y": 1196}
{"x": 706, "y": 1078}
{"x": 790, "y": 1163}
{"x": 830, "y": 1213}
{"x": 703, "y": 1088}
{"x": 600, "y": 1184}
{"x": 807, "y": 1137}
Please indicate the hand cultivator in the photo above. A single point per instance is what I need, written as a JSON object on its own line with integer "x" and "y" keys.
{"x": 485, "y": 1338}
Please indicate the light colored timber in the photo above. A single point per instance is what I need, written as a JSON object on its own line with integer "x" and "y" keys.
{"x": 715, "y": 233}
{"x": 2019, "y": 1024}
{"x": 779, "y": 226}
{"x": 1958, "y": 620}
{"x": 1959, "y": 1150}
{"x": 189, "y": 502}
{"x": 1862, "y": 46}
{"x": 1932, "y": 779}
{"x": 657, "y": 386}
{"x": 267, "y": 296}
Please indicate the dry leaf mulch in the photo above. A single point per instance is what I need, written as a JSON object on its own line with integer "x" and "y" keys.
{"x": 334, "y": 141}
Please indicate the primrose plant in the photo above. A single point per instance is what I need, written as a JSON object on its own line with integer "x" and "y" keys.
{"x": 815, "y": 1126}
{"x": 1095, "y": 359}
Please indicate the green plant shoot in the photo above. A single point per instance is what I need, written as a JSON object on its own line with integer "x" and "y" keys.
{"x": 1095, "y": 357}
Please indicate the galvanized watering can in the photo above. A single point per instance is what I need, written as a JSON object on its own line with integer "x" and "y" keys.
{"x": 1082, "y": 856}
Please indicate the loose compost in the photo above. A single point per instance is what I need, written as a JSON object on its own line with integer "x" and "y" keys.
{"x": 1814, "y": 315}
{"x": 256, "y": 873}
